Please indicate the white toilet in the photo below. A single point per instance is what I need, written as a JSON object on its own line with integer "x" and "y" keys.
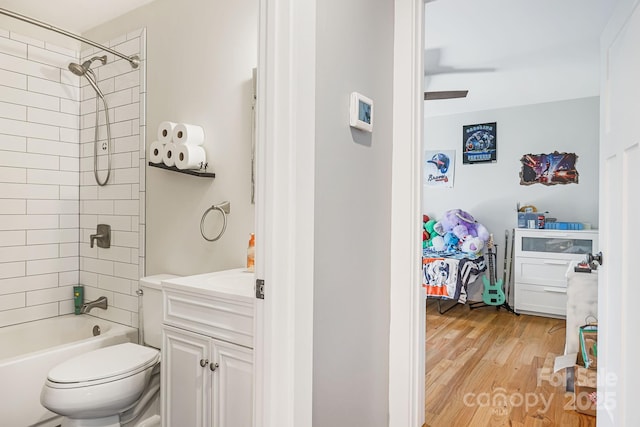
{"x": 117, "y": 385}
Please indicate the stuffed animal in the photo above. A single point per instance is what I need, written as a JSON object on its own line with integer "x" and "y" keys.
{"x": 438, "y": 243}
{"x": 429, "y": 229}
{"x": 471, "y": 244}
{"x": 451, "y": 241}
{"x": 457, "y": 217}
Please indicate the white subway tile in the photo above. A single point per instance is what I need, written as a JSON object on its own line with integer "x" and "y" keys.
{"x": 55, "y": 265}
{"x": 12, "y": 207}
{"x": 13, "y": 47}
{"x": 11, "y": 301}
{"x": 28, "y": 160}
{"x": 28, "y": 283}
{"x": 54, "y": 118}
{"x": 114, "y": 253}
{"x": 24, "y": 222}
{"x": 12, "y": 269}
{"x": 29, "y": 68}
{"x": 67, "y": 278}
{"x": 135, "y": 255}
{"x": 70, "y": 53}
{"x": 95, "y": 207}
{"x": 70, "y": 164}
{"x": 115, "y": 191}
{"x": 13, "y": 79}
{"x": 128, "y": 144}
{"x": 70, "y": 107}
{"x": 69, "y": 250}
{"x": 122, "y": 161}
{"x": 52, "y": 206}
{"x": 57, "y": 148}
{"x": 127, "y": 80}
{"x": 38, "y": 176}
{"x": 13, "y": 175}
{"x": 98, "y": 266}
{"x": 117, "y": 315}
{"x": 49, "y": 295}
{"x": 27, "y": 253}
{"x": 126, "y": 207}
{"x": 53, "y": 88}
{"x": 126, "y": 176}
{"x": 126, "y": 270}
{"x": 126, "y": 302}
{"x": 116, "y": 99}
{"x": 69, "y": 192}
{"x": 33, "y": 130}
{"x": 26, "y": 39}
{"x": 12, "y": 238}
{"x": 127, "y": 112}
{"x": 89, "y": 222}
{"x": 88, "y": 278}
{"x": 66, "y": 307}
{"x": 38, "y": 237}
{"x": 29, "y": 99}
{"x": 92, "y": 293}
{"x": 135, "y": 224}
{"x": 115, "y": 284}
{"x": 49, "y": 57}
{"x": 89, "y": 192}
{"x": 13, "y": 111}
{"x": 69, "y": 221}
{"x": 117, "y": 222}
{"x": 12, "y": 143}
{"x": 29, "y": 191}
{"x": 28, "y": 314}
{"x": 69, "y": 135}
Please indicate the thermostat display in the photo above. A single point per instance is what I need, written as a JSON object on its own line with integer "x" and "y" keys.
{"x": 361, "y": 112}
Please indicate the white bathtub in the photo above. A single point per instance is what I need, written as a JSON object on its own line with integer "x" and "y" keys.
{"x": 29, "y": 350}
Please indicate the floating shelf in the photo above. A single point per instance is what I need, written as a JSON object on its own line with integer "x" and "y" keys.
{"x": 194, "y": 172}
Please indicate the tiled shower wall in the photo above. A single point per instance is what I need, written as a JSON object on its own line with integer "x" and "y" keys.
{"x": 49, "y": 202}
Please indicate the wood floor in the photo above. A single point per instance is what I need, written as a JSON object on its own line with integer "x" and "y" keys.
{"x": 486, "y": 367}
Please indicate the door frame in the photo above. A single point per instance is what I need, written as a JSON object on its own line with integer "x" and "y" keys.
{"x": 283, "y": 342}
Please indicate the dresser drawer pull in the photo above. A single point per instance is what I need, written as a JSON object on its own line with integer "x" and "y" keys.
{"x": 556, "y": 290}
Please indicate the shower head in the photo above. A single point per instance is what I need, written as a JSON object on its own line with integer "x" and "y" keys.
{"x": 81, "y": 70}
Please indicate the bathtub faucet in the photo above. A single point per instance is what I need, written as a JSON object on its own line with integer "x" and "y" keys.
{"x": 88, "y": 306}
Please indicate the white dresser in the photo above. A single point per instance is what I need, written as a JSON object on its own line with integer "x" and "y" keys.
{"x": 541, "y": 261}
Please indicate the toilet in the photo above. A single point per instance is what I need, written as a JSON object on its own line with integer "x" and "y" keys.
{"x": 117, "y": 385}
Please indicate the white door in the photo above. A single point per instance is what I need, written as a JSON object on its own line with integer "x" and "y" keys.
{"x": 619, "y": 293}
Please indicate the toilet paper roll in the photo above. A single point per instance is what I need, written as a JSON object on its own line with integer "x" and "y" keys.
{"x": 189, "y": 156}
{"x": 156, "y": 152}
{"x": 165, "y": 131}
{"x": 169, "y": 154}
{"x": 185, "y": 133}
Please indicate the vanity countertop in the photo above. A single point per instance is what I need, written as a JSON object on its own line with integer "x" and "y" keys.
{"x": 232, "y": 283}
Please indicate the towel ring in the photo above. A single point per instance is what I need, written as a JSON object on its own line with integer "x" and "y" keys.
{"x": 224, "y": 208}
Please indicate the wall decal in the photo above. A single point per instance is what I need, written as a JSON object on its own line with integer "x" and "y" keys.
{"x": 479, "y": 143}
{"x": 549, "y": 169}
{"x": 439, "y": 167}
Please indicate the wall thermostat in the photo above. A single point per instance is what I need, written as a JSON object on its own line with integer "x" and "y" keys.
{"x": 361, "y": 112}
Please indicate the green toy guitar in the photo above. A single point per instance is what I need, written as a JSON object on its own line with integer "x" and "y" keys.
{"x": 492, "y": 294}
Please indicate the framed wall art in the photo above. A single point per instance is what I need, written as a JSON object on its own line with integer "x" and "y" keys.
{"x": 479, "y": 143}
{"x": 439, "y": 168}
{"x": 549, "y": 169}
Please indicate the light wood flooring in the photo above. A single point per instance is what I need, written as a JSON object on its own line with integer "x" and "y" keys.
{"x": 488, "y": 367}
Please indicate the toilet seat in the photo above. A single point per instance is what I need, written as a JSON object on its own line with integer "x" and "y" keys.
{"x": 103, "y": 365}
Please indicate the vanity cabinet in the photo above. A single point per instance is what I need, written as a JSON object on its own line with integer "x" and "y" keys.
{"x": 542, "y": 258}
{"x": 207, "y": 357}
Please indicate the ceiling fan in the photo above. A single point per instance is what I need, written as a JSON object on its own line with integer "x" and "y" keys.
{"x": 445, "y": 94}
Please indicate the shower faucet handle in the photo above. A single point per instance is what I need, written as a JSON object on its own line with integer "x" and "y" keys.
{"x": 102, "y": 237}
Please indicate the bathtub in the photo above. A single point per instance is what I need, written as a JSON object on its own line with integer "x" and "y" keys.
{"x": 29, "y": 350}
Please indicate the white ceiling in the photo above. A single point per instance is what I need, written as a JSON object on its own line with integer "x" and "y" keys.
{"x": 75, "y": 16}
{"x": 505, "y": 52}
{"x": 512, "y": 52}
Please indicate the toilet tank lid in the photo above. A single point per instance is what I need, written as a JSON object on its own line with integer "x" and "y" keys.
{"x": 104, "y": 362}
{"x": 155, "y": 280}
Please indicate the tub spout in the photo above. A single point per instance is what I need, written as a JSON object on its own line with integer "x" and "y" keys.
{"x": 88, "y": 306}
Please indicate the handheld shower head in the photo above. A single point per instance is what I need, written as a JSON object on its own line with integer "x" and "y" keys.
{"x": 81, "y": 70}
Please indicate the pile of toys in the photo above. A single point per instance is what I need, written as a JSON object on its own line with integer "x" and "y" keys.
{"x": 456, "y": 231}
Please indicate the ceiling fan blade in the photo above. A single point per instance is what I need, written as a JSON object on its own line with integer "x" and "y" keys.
{"x": 446, "y": 94}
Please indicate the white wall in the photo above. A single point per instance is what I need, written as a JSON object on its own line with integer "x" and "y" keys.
{"x": 200, "y": 56}
{"x": 490, "y": 191}
{"x": 352, "y": 219}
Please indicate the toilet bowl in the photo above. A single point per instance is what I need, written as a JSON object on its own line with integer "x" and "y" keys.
{"x": 112, "y": 386}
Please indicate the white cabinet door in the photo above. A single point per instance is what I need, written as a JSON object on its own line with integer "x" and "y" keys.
{"x": 186, "y": 383}
{"x": 232, "y": 385}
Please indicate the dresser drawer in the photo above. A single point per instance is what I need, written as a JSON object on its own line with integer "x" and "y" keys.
{"x": 229, "y": 320}
{"x": 540, "y": 299}
{"x": 537, "y": 271}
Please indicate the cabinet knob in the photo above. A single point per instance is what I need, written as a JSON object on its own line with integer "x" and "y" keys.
{"x": 213, "y": 366}
{"x": 204, "y": 362}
